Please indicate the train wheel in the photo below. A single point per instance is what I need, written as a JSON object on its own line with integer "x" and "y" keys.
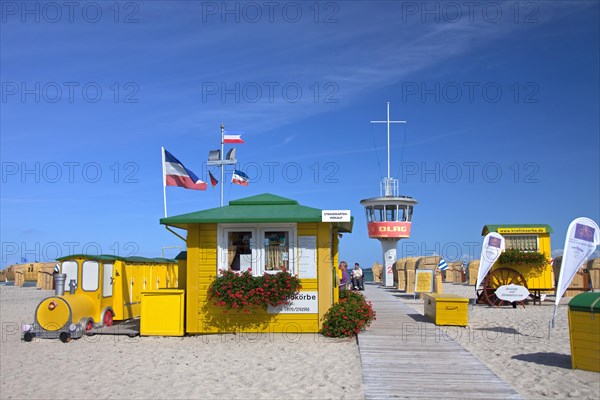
{"x": 89, "y": 325}
{"x": 108, "y": 318}
{"x": 65, "y": 337}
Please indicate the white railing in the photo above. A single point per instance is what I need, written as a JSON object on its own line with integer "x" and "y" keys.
{"x": 388, "y": 187}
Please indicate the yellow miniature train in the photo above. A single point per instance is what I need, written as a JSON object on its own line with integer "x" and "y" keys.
{"x": 98, "y": 290}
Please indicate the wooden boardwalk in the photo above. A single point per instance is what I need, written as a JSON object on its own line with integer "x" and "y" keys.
{"x": 403, "y": 355}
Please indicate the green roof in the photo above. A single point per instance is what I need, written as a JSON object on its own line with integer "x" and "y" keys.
{"x": 262, "y": 208}
{"x": 494, "y": 228}
{"x": 109, "y": 257}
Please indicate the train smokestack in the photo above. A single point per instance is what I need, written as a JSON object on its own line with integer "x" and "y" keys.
{"x": 59, "y": 284}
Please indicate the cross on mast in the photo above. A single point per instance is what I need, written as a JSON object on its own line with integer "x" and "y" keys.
{"x": 388, "y": 190}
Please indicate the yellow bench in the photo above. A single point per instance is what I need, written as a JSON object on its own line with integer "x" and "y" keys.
{"x": 446, "y": 309}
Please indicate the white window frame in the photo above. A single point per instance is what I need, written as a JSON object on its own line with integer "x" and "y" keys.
{"x": 258, "y": 247}
{"x": 69, "y": 272}
{"x": 292, "y": 250}
{"x": 222, "y": 244}
{"x": 90, "y": 281}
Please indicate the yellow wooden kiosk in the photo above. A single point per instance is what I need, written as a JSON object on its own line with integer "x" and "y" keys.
{"x": 263, "y": 234}
{"x": 537, "y": 278}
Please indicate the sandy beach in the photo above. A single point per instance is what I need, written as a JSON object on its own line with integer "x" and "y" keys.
{"x": 208, "y": 367}
{"x": 513, "y": 343}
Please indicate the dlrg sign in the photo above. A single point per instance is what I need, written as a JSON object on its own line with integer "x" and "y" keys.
{"x": 389, "y": 229}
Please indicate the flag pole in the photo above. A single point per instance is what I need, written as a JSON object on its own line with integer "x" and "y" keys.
{"x": 162, "y": 149}
{"x": 221, "y": 164}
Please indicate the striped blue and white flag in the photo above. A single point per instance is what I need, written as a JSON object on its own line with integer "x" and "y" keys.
{"x": 239, "y": 178}
{"x": 442, "y": 265}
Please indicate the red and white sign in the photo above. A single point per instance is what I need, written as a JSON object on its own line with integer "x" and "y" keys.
{"x": 389, "y": 229}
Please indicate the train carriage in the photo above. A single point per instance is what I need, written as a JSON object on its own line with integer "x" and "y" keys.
{"x": 99, "y": 290}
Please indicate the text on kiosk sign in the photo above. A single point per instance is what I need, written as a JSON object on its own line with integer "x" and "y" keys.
{"x": 300, "y": 303}
{"x": 522, "y": 230}
{"x": 335, "y": 215}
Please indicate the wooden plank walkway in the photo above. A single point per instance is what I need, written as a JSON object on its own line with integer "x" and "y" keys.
{"x": 403, "y": 355}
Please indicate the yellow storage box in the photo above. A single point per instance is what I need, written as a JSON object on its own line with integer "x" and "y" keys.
{"x": 584, "y": 331}
{"x": 163, "y": 313}
{"x": 446, "y": 309}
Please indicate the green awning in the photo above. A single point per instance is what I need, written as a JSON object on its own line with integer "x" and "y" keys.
{"x": 516, "y": 228}
{"x": 262, "y": 208}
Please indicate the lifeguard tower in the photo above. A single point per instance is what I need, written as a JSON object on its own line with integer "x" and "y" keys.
{"x": 389, "y": 216}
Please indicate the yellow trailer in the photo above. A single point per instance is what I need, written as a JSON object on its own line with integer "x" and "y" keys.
{"x": 97, "y": 291}
{"x": 119, "y": 280}
{"x": 522, "y": 239}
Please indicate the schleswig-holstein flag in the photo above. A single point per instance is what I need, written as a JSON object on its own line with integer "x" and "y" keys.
{"x": 176, "y": 174}
{"x": 239, "y": 178}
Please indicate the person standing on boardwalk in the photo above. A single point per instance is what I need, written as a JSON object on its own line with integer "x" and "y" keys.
{"x": 344, "y": 276}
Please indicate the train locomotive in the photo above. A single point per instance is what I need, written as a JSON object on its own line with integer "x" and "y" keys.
{"x": 101, "y": 289}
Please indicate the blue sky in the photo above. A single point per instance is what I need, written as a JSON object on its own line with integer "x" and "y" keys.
{"x": 501, "y": 99}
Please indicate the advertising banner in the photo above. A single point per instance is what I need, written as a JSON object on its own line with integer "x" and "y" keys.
{"x": 493, "y": 245}
{"x": 582, "y": 238}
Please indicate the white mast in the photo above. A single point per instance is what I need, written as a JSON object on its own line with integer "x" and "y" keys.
{"x": 220, "y": 160}
{"x": 388, "y": 191}
{"x": 221, "y": 165}
{"x": 162, "y": 150}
